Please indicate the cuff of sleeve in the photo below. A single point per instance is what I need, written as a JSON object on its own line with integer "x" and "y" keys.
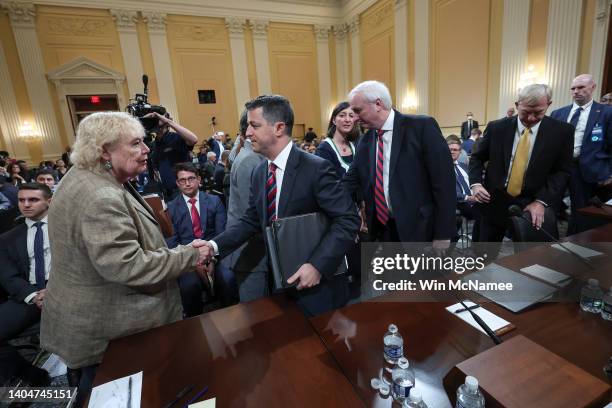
{"x": 542, "y": 202}
{"x": 475, "y": 184}
{"x": 214, "y": 246}
{"x": 28, "y": 299}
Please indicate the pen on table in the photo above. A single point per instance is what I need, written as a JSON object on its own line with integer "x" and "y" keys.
{"x": 463, "y": 309}
{"x": 178, "y": 396}
{"x": 196, "y": 397}
{"x": 129, "y": 401}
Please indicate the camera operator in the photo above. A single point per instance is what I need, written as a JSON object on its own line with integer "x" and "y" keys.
{"x": 171, "y": 147}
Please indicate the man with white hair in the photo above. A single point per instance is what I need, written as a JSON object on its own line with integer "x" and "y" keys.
{"x": 217, "y": 143}
{"x": 592, "y": 157}
{"x": 403, "y": 169}
{"x": 529, "y": 160}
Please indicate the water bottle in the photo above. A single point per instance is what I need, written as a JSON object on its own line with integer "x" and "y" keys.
{"x": 606, "y": 306}
{"x": 394, "y": 349}
{"x": 414, "y": 400}
{"x": 590, "y": 297}
{"x": 468, "y": 394}
{"x": 403, "y": 380}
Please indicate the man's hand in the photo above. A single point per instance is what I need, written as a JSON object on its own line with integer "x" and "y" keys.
{"x": 307, "y": 275}
{"x": 536, "y": 209}
{"x": 206, "y": 251}
{"x": 364, "y": 223}
{"x": 159, "y": 117}
{"x": 39, "y": 298}
{"x": 206, "y": 271}
{"x": 470, "y": 199}
{"x": 480, "y": 194}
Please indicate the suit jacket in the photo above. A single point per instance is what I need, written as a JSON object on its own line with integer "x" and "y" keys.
{"x": 251, "y": 256}
{"x": 549, "y": 166}
{"x": 596, "y": 152}
{"x": 421, "y": 179}
{"x": 465, "y": 132}
{"x": 113, "y": 274}
{"x": 212, "y": 219}
{"x": 309, "y": 185}
{"x": 219, "y": 176}
{"x": 15, "y": 270}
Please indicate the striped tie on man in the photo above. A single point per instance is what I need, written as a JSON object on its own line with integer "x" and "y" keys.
{"x": 271, "y": 192}
{"x": 380, "y": 204}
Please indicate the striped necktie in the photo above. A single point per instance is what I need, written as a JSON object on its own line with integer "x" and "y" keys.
{"x": 271, "y": 192}
{"x": 380, "y": 204}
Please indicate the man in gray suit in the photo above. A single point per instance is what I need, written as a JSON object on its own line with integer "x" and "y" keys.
{"x": 249, "y": 262}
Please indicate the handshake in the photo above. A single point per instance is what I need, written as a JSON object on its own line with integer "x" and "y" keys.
{"x": 205, "y": 249}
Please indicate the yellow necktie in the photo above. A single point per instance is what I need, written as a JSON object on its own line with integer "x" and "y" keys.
{"x": 519, "y": 165}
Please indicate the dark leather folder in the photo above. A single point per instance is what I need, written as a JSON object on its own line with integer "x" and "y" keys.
{"x": 291, "y": 243}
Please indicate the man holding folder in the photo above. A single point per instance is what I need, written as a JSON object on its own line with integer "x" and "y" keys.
{"x": 289, "y": 183}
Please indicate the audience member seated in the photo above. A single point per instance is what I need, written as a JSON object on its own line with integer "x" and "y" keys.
{"x": 26, "y": 173}
{"x": 220, "y": 169}
{"x": 25, "y": 257}
{"x": 198, "y": 215}
{"x": 15, "y": 175}
{"x": 60, "y": 167}
{"x": 469, "y": 144}
{"x": 463, "y": 156}
{"x": 465, "y": 200}
{"x": 45, "y": 176}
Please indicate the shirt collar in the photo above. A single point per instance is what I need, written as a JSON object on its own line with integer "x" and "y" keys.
{"x": 388, "y": 125}
{"x": 186, "y": 198}
{"x": 534, "y": 128}
{"x": 283, "y": 156}
{"x": 586, "y": 106}
{"x": 30, "y": 223}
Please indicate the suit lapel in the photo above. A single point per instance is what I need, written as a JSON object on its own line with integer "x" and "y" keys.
{"x": 396, "y": 144}
{"x": 372, "y": 163}
{"x": 593, "y": 117}
{"x": 509, "y": 142}
{"x": 140, "y": 204}
{"x": 203, "y": 213}
{"x": 22, "y": 245}
{"x": 539, "y": 143}
{"x": 288, "y": 180}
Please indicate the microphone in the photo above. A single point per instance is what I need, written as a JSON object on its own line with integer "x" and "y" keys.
{"x": 145, "y": 80}
{"x": 516, "y": 211}
{"x": 481, "y": 323}
{"x": 596, "y": 201}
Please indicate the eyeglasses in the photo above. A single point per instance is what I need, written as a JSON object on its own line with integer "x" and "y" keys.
{"x": 187, "y": 180}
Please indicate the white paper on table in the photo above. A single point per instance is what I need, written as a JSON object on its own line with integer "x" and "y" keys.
{"x": 115, "y": 394}
{"x": 493, "y": 321}
{"x": 577, "y": 249}
{"x": 54, "y": 366}
{"x": 609, "y": 202}
{"x": 209, "y": 403}
{"x": 547, "y": 275}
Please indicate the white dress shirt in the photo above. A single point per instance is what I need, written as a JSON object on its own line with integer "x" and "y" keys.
{"x": 196, "y": 204}
{"x": 46, "y": 248}
{"x": 465, "y": 176}
{"x": 581, "y": 125}
{"x": 387, "y": 140}
{"x": 517, "y": 136}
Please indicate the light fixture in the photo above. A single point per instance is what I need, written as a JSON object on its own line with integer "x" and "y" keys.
{"x": 410, "y": 102}
{"x": 529, "y": 77}
{"x": 27, "y": 131}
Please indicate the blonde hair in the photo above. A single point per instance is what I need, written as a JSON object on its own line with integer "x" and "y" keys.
{"x": 98, "y": 130}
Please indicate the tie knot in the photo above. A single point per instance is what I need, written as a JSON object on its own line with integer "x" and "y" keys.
{"x": 38, "y": 224}
{"x": 379, "y": 133}
{"x": 272, "y": 167}
{"x": 192, "y": 200}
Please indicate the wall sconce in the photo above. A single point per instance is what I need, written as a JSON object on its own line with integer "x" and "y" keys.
{"x": 27, "y": 131}
{"x": 410, "y": 102}
{"x": 529, "y": 77}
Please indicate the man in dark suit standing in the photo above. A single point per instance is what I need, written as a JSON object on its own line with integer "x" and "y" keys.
{"x": 197, "y": 215}
{"x": 592, "y": 155}
{"x": 403, "y": 169}
{"x": 25, "y": 257}
{"x": 467, "y": 126}
{"x": 529, "y": 159}
{"x": 292, "y": 182}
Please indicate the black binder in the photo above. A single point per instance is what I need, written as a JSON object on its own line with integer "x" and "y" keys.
{"x": 291, "y": 243}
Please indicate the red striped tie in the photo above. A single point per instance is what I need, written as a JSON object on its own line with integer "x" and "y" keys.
{"x": 195, "y": 220}
{"x": 271, "y": 193}
{"x": 380, "y": 204}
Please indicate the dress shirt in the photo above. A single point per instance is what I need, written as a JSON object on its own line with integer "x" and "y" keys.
{"x": 581, "y": 125}
{"x": 47, "y": 251}
{"x": 463, "y": 174}
{"x": 196, "y": 204}
{"x": 221, "y": 149}
{"x": 387, "y": 140}
{"x": 517, "y": 135}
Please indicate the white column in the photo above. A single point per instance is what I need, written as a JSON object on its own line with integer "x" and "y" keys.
{"x": 421, "y": 56}
{"x": 9, "y": 113}
{"x": 342, "y": 61}
{"x": 401, "y": 52}
{"x": 324, "y": 70}
{"x": 239, "y": 60}
{"x": 515, "y": 32}
{"x": 156, "y": 24}
{"x": 262, "y": 55}
{"x": 562, "y": 42}
{"x": 132, "y": 63}
{"x": 22, "y": 17}
{"x": 355, "y": 50}
{"x": 598, "y": 47}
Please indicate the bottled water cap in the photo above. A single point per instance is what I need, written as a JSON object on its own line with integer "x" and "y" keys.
{"x": 593, "y": 282}
{"x": 415, "y": 395}
{"x": 375, "y": 383}
{"x": 384, "y": 389}
{"x": 471, "y": 382}
{"x": 402, "y": 362}
{"x": 393, "y": 328}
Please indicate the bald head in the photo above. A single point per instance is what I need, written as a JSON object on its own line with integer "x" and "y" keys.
{"x": 582, "y": 89}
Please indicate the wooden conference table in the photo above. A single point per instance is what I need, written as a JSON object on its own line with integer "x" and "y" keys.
{"x": 266, "y": 354}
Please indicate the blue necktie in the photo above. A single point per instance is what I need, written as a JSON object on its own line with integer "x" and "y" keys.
{"x": 461, "y": 181}
{"x": 39, "y": 256}
{"x": 574, "y": 120}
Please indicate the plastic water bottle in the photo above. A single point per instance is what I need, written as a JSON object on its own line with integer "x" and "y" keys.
{"x": 606, "y": 306}
{"x": 414, "y": 400}
{"x": 590, "y": 297}
{"x": 468, "y": 394}
{"x": 394, "y": 349}
{"x": 403, "y": 380}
